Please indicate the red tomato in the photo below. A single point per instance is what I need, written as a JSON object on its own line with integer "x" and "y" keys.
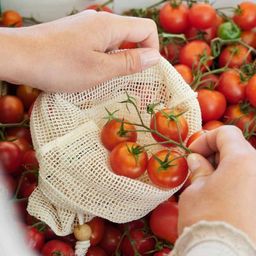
{"x": 10, "y": 157}
{"x": 49, "y": 234}
{"x": 245, "y": 15}
{"x": 205, "y": 34}
{"x": 192, "y": 52}
{"x": 167, "y": 169}
{"x": 29, "y": 160}
{"x": 115, "y": 132}
{"x": 185, "y": 72}
{"x": 251, "y": 91}
{"x": 57, "y": 247}
{"x": 212, "y": 104}
{"x": 20, "y": 208}
{"x": 128, "y": 159}
{"x": 19, "y": 132}
{"x": 27, "y": 95}
{"x": 99, "y": 8}
{"x": 234, "y": 56}
{"x": 128, "y": 45}
{"x": 26, "y": 188}
{"x": 174, "y": 18}
{"x": 95, "y": 251}
{"x": 231, "y": 86}
{"x": 11, "y": 19}
{"x": 168, "y": 123}
{"x": 171, "y": 52}
{"x": 252, "y": 141}
{"x": 35, "y": 238}
{"x": 21, "y": 143}
{"x": 164, "y": 221}
{"x": 163, "y": 252}
{"x": 193, "y": 137}
{"x": 111, "y": 239}
{"x": 211, "y": 125}
{"x": 142, "y": 241}
{"x": 30, "y": 220}
{"x": 12, "y": 110}
{"x": 202, "y": 16}
{"x": 69, "y": 239}
{"x": 136, "y": 224}
{"x": 242, "y": 118}
{"x": 249, "y": 37}
{"x": 97, "y": 225}
{"x": 209, "y": 81}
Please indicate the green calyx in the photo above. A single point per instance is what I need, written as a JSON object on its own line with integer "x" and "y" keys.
{"x": 228, "y": 31}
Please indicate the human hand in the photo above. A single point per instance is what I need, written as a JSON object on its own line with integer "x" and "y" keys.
{"x": 228, "y": 193}
{"x": 70, "y": 54}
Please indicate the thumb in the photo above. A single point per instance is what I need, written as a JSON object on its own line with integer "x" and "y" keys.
{"x": 131, "y": 61}
{"x": 199, "y": 167}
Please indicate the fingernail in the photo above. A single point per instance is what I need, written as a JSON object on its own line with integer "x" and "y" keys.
{"x": 193, "y": 162}
{"x": 149, "y": 57}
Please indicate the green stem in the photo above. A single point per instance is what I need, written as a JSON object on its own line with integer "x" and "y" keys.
{"x": 107, "y": 3}
{"x": 21, "y": 124}
{"x": 155, "y": 5}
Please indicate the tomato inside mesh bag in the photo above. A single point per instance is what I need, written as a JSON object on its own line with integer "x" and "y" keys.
{"x": 74, "y": 176}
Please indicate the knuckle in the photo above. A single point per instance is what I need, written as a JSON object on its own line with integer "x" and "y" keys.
{"x": 131, "y": 62}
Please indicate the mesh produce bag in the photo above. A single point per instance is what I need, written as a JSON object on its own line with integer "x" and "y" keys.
{"x": 75, "y": 179}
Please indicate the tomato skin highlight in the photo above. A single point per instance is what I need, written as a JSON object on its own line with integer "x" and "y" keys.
{"x": 174, "y": 19}
{"x": 251, "y": 91}
{"x": 171, "y": 176}
{"x": 110, "y": 137}
{"x": 164, "y": 221}
{"x": 212, "y": 104}
{"x": 168, "y": 127}
{"x": 185, "y": 72}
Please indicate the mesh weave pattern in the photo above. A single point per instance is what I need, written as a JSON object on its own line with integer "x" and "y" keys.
{"x": 74, "y": 175}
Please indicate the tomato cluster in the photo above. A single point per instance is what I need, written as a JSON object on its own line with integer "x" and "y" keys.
{"x": 215, "y": 55}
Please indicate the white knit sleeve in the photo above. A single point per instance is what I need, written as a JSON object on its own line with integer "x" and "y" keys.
{"x": 213, "y": 239}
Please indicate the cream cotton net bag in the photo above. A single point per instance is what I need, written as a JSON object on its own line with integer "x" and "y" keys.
{"x": 75, "y": 180}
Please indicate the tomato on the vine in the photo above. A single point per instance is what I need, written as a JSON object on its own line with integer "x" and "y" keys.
{"x": 231, "y": 86}
{"x": 164, "y": 221}
{"x": 174, "y": 17}
{"x": 35, "y": 238}
{"x": 194, "y": 136}
{"x": 27, "y": 95}
{"x": 251, "y": 91}
{"x": 117, "y": 131}
{"x": 97, "y": 225}
{"x": 185, "y": 72}
{"x": 27, "y": 187}
{"x": 19, "y": 132}
{"x": 211, "y": 125}
{"x": 128, "y": 159}
{"x": 202, "y": 16}
{"x": 11, "y": 19}
{"x": 171, "y": 52}
{"x": 95, "y": 251}
{"x": 245, "y": 15}
{"x": 202, "y": 34}
{"x": 196, "y": 53}
{"x": 142, "y": 242}
{"x": 163, "y": 252}
{"x": 249, "y": 37}
{"x": 212, "y": 104}
{"x": 57, "y": 247}
{"x": 99, "y": 8}
{"x": 167, "y": 169}
{"x": 169, "y": 123}
{"x": 12, "y": 110}
{"x": 21, "y": 143}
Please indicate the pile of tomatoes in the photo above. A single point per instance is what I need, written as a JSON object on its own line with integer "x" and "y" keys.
{"x": 215, "y": 54}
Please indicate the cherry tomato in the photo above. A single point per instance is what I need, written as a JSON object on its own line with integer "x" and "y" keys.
{"x": 142, "y": 241}
{"x": 249, "y": 37}
{"x": 12, "y": 110}
{"x": 209, "y": 81}
{"x": 26, "y": 188}
{"x": 240, "y": 116}
{"x": 11, "y": 19}
{"x": 171, "y": 52}
{"x": 185, "y": 72}
{"x": 164, "y": 221}
{"x": 10, "y": 156}
{"x": 21, "y": 143}
{"x": 128, "y": 159}
{"x": 35, "y": 238}
{"x": 128, "y": 45}
{"x": 234, "y": 56}
{"x": 202, "y": 16}
{"x": 57, "y": 247}
{"x": 171, "y": 124}
{"x": 174, "y": 18}
{"x": 212, "y": 104}
{"x": 211, "y": 125}
{"x": 19, "y": 132}
{"x": 95, "y": 251}
{"x": 245, "y": 15}
{"x": 203, "y": 34}
{"x": 167, "y": 169}
{"x": 115, "y": 132}
{"x": 251, "y": 91}
{"x": 111, "y": 239}
{"x": 231, "y": 86}
{"x": 97, "y": 225}
{"x": 132, "y": 225}
{"x": 192, "y": 52}
{"x": 27, "y": 95}
{"x": 99, "y": 8}
{"x": 194, "y": 136}
{"x": 163, "y": 252}
{"x": 29, "y": 160}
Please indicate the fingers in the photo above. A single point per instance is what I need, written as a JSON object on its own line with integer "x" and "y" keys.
{"x": 226, "y": 140}
{"x": 199, "y": 167}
